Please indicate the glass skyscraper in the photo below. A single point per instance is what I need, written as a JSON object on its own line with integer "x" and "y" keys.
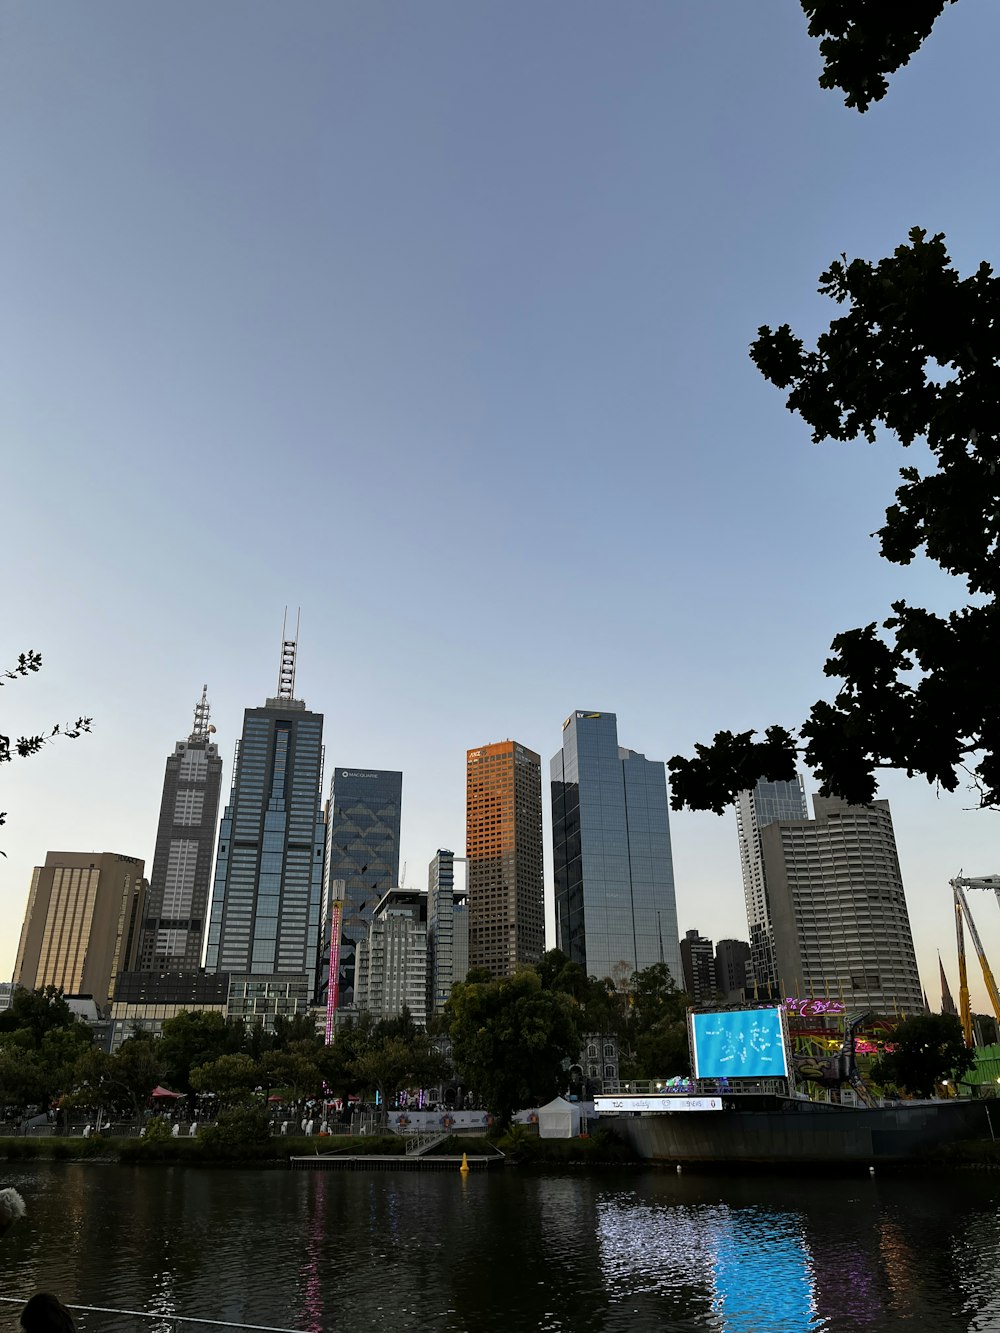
{"x": 362, "y": 850}
{"x": 269, "y": 870}
{"x": 767, "y": 803}
{"x": 614, "y": 878}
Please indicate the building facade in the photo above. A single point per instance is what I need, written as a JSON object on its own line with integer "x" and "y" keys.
{"x": 173, "y": 932}
{"x": 732, "y": 961}
{"x": 616, "y": 911}
{"x": 269, "y": 870}
{"x": 447, "y": 930}
{"x": 698, "y": 967}
{"x": 766, "y": 803}
{"x": 362, "y": 851}
{"x": 143, "y": 1001}
{"x": 504, "y": 857}
{"x": 392, "y": 962}
{"x": 838, "y": 911}
{"x": 82, "y": 923}
{"x": 256, "y": 999}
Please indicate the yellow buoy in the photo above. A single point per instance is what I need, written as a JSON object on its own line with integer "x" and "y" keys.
{"x": 464, "y": 1168}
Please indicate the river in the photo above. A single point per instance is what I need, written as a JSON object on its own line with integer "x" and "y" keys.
{"x": 622, "y": 1251}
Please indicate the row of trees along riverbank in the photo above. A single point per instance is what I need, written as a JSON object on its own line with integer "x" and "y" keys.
{"x": 510, "y": 1044}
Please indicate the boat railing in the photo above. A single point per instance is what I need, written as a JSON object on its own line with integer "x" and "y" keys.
{"x": 165, "y": 1321}
{"x": 696, "y": 1087}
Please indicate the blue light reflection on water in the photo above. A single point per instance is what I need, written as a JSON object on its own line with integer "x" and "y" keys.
{"x": 763, "y": 1265}
{"x": 751, "y": 1268}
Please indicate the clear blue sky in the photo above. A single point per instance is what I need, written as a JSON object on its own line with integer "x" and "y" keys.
{"x": 433, "y": 319}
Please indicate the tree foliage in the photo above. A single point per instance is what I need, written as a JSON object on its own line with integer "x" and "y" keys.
{"x": 926, "y": 1050}
{"x": 196, "y": 1038}
{"x": 41, "y": 1040}
{"x": 512, "y": 1040}
{"x": 25, "y": 746}
{"x": 231, "y": 1077}
{"x": 863, "y": 41}
{"x": 918, "y": 354}
{"x": 37, "y": 1012}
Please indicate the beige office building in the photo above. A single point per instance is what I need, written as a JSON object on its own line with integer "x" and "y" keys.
{"x": 82, "y": 923}
{"x": 837, "y": 908}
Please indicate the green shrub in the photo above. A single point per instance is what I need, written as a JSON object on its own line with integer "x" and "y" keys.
{"x": 241, "y": 1133}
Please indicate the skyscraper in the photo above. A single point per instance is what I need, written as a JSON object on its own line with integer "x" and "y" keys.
{"x": 838, "y": 912}
{"x": 269, "y": 871}
{"x": 504, "y": 854}
{"x": 392, "y": 962}
{"x": 362, "y": 850}
{"x": 177, "y": 903}
{"x": 614, "y": 875}
{"x": 82, "y": 923}
{"x": 767, "y": 802}
{"x": 731, "y": 960}
{"x": 698, "y": 967}
{"x": 447, "y": 930}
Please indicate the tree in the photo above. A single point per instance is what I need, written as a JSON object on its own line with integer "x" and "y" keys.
{"x": 861, "y": 41}
{"x": 41, "y": 1040}
{"x": 511, "y": 1040}
{"x": 393, "y": 1063}
{"x": 37, "y": 1012}
{"x": 23, "y": 1077}
{"x": 918, "y": 354}
{"x": 296, "y": 1071}
{"x": 195, "y": 1038}
{"x": 231, "y": 1077}
{"x": 655, "y": 1040}
{"x": 25, "y": 746}
{"x": 926, "y": 1050}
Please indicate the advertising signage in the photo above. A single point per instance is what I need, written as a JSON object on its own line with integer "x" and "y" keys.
{"x": 739, "y": 1043}
{"x": 615, "y": 1105}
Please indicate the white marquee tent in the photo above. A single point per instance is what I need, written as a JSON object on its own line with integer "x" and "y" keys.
{"x": 559, "y": 1120}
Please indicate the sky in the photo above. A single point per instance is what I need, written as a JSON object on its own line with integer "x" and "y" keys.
{"x": 432, "y": 320}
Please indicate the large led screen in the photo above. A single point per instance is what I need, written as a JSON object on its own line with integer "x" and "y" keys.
{"x": 743, "y": 1043}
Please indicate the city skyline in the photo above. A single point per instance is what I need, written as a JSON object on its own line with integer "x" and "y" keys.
{"x": 349, "y": 276}
{"x": 729, "y": 922}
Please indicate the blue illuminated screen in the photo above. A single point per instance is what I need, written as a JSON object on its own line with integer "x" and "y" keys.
{"x": 745, "y": 1043}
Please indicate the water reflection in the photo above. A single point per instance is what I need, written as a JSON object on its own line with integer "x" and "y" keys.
{"x": 739, "y": 1271}
{"x": 592, "y": 1254}
{"x": 761, "y": 1264}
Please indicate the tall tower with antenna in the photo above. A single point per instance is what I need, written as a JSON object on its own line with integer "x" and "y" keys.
{"x": 173, "y": 929}
{"x": 265, "y": 920}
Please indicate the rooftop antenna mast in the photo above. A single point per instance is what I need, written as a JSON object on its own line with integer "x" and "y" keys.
{"x": 201, "y": 729}
{"x": 286, "y": 667}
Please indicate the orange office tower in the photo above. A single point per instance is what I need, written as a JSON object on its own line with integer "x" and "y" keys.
{"x": 504, "y": 854}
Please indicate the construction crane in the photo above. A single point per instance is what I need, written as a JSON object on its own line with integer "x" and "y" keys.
{"x": 958, "y": 887}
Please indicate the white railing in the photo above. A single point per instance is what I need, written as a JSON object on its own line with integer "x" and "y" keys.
{"x": 166, "y": 1320}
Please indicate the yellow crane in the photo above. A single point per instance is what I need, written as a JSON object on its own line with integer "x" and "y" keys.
{"x": 958, "y": 887}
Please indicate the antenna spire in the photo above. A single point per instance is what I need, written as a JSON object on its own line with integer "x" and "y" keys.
{"x": 200, "y": 730}
{"x": 286, "y": 667}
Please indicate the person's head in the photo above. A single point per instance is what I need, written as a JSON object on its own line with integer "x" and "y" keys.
{"x": 46, "y": 1313}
